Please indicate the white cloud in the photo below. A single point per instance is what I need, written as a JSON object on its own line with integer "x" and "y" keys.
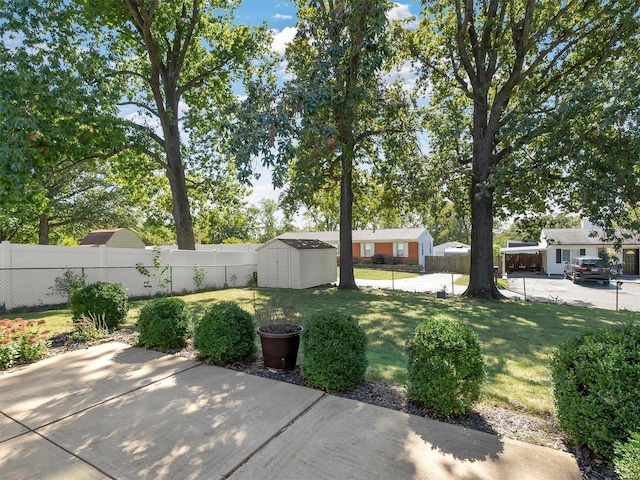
{"x": 282, "y": 38}
{"x": 278, "y": 16}
{"x": 399, "y": 12}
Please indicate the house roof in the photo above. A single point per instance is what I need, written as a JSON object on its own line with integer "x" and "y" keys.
{"x": 584, "y": 236}
{"x": 378, "y": 235}
{"x": 446, "y": 245}
{"x": 99, "y": 237}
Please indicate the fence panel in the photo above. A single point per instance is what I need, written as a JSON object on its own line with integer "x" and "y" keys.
{"x": 33, "y": 287}
{"x": 454, "y": 264}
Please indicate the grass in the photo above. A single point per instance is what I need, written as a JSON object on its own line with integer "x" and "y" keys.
{"x": 518, "y": 338}
{"x": 375, "y": 274}
{"x": 464, "y": 281}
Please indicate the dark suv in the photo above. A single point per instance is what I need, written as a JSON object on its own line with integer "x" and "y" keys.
{"x": 587, "y": 268}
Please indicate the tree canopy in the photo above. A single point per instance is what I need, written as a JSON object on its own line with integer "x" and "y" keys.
{"x": 498, "y": 73}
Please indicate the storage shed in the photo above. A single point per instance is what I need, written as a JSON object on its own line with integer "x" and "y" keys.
{"x": 296, "y": 263}
{"x": 114, "y": 238}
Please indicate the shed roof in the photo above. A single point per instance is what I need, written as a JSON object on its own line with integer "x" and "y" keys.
{"x": 305, "y": 244}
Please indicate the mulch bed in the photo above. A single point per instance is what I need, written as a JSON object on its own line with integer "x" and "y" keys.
{"x": 493, "y": 420}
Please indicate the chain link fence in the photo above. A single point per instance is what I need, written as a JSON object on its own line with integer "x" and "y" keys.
{"x": 621, "y": 294}
{"x": 36, "y": 287}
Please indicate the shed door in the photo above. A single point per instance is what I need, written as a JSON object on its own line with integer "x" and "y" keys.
{"x": 277, "y": 268}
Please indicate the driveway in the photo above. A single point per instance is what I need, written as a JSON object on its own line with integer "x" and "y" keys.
{"x": 425, "y": 283}
{"x": 625, "y": 296}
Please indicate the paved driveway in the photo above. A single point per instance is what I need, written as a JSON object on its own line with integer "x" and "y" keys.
{"x": 588, "y": 294}
{"x": 428, "y": 282}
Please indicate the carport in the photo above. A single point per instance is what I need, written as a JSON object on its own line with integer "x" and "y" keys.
{"x": 523, "y": 259}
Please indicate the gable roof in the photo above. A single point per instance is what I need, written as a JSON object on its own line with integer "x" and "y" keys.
{"x": 584, "y": 236}
{"x": 378, "y": 235}
{"x": 112, "y": 237}
{"x": 98, "y": 237}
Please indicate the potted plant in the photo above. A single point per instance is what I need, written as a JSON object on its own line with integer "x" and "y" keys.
{"x": 279, "y": 332}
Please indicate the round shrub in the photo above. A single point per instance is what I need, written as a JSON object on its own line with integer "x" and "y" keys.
{"x": 164, "y": 323}
{"x": 334, "y": 350}
{"x": 445, "y": 366}
{"x": 596, "y": 381}
{"x": 100, "y": 301}
{"x": 225, "y": 333}
{"x": 627, "y": 459}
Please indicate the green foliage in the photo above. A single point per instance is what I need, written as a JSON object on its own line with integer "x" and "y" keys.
{"x": 500, "y": 116}
{"x": 377, "y": 259}
{"x": 225, "y": 333}
{"x": 90, "y": 328}
{"x": 164, "y": 323}
{"x": 21, "y": 341}
{"x": 334, "y": 350}
{"x": 627, "y": 459}
{"x": 596, "y": 383}
{"x": 100, "y": 299}
{"x": 66, "y": 283}
{"x": 445, "y": 366}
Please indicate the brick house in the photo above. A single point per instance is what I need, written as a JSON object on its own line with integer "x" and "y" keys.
{"x": 409, "y": 245}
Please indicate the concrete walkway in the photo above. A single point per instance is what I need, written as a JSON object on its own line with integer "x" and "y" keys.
{"x": 112, "y": 411}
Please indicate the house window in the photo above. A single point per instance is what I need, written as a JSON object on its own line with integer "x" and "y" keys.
{"x": 583, "y": 252}
{"x": 400, "y": 249}
{"x": 562, "y": 255}
{"x": 366, "y": 249}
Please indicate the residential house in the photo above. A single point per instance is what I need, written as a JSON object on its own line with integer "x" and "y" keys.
{"x": 410, "y": 245}
{"x": 559, "y": 245}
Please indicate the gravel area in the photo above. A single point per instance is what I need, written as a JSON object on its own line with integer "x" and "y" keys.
{"x": 493, "y": 420}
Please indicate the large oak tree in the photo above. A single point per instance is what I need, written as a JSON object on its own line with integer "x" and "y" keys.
{"x": 178, "y": 61}
{"x": 498, "y": 70}
{"x": 341, "y": 111}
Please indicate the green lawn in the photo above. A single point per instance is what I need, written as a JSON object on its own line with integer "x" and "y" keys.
{"x": 517, "y": 337}
{"x": 464, "y": 281}
{"x": 375, "y": 274}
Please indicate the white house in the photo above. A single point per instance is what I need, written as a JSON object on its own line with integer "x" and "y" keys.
{"x": 409, "y": 244}
{"x": 559, "y": 245}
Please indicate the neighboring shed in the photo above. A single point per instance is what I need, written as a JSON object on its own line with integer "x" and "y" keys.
{"x": 113, "y": 238}
{"x": 296, "y": 263}
{"x": 452, "y": 249}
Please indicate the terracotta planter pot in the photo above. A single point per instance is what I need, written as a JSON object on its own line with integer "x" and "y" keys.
{"x": 280, "y": 344}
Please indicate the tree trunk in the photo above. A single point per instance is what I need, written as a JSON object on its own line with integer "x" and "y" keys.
{"x": 181, "y": 209}
{"x": 347, "y": 278}
{"x": 43, "y": 229}
{"x": 481, "y": 279}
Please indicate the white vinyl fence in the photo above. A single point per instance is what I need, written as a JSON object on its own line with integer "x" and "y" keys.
{"x": 35, "y": 275}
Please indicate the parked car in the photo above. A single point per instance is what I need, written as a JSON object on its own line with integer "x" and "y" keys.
{"x": 581, "y": 269}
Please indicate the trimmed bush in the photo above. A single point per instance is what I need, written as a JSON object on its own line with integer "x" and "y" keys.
{"x": 107, "y": 301}
{"x": 164, "y": 323}
{"x": 445, "y": 366}
{"x": 225, "y": 333}
{"x": 377, "y": 259}
{"x": 596, "y": 381}
{"x": 627, "y": 459}
{"x": 334, "y": 350}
